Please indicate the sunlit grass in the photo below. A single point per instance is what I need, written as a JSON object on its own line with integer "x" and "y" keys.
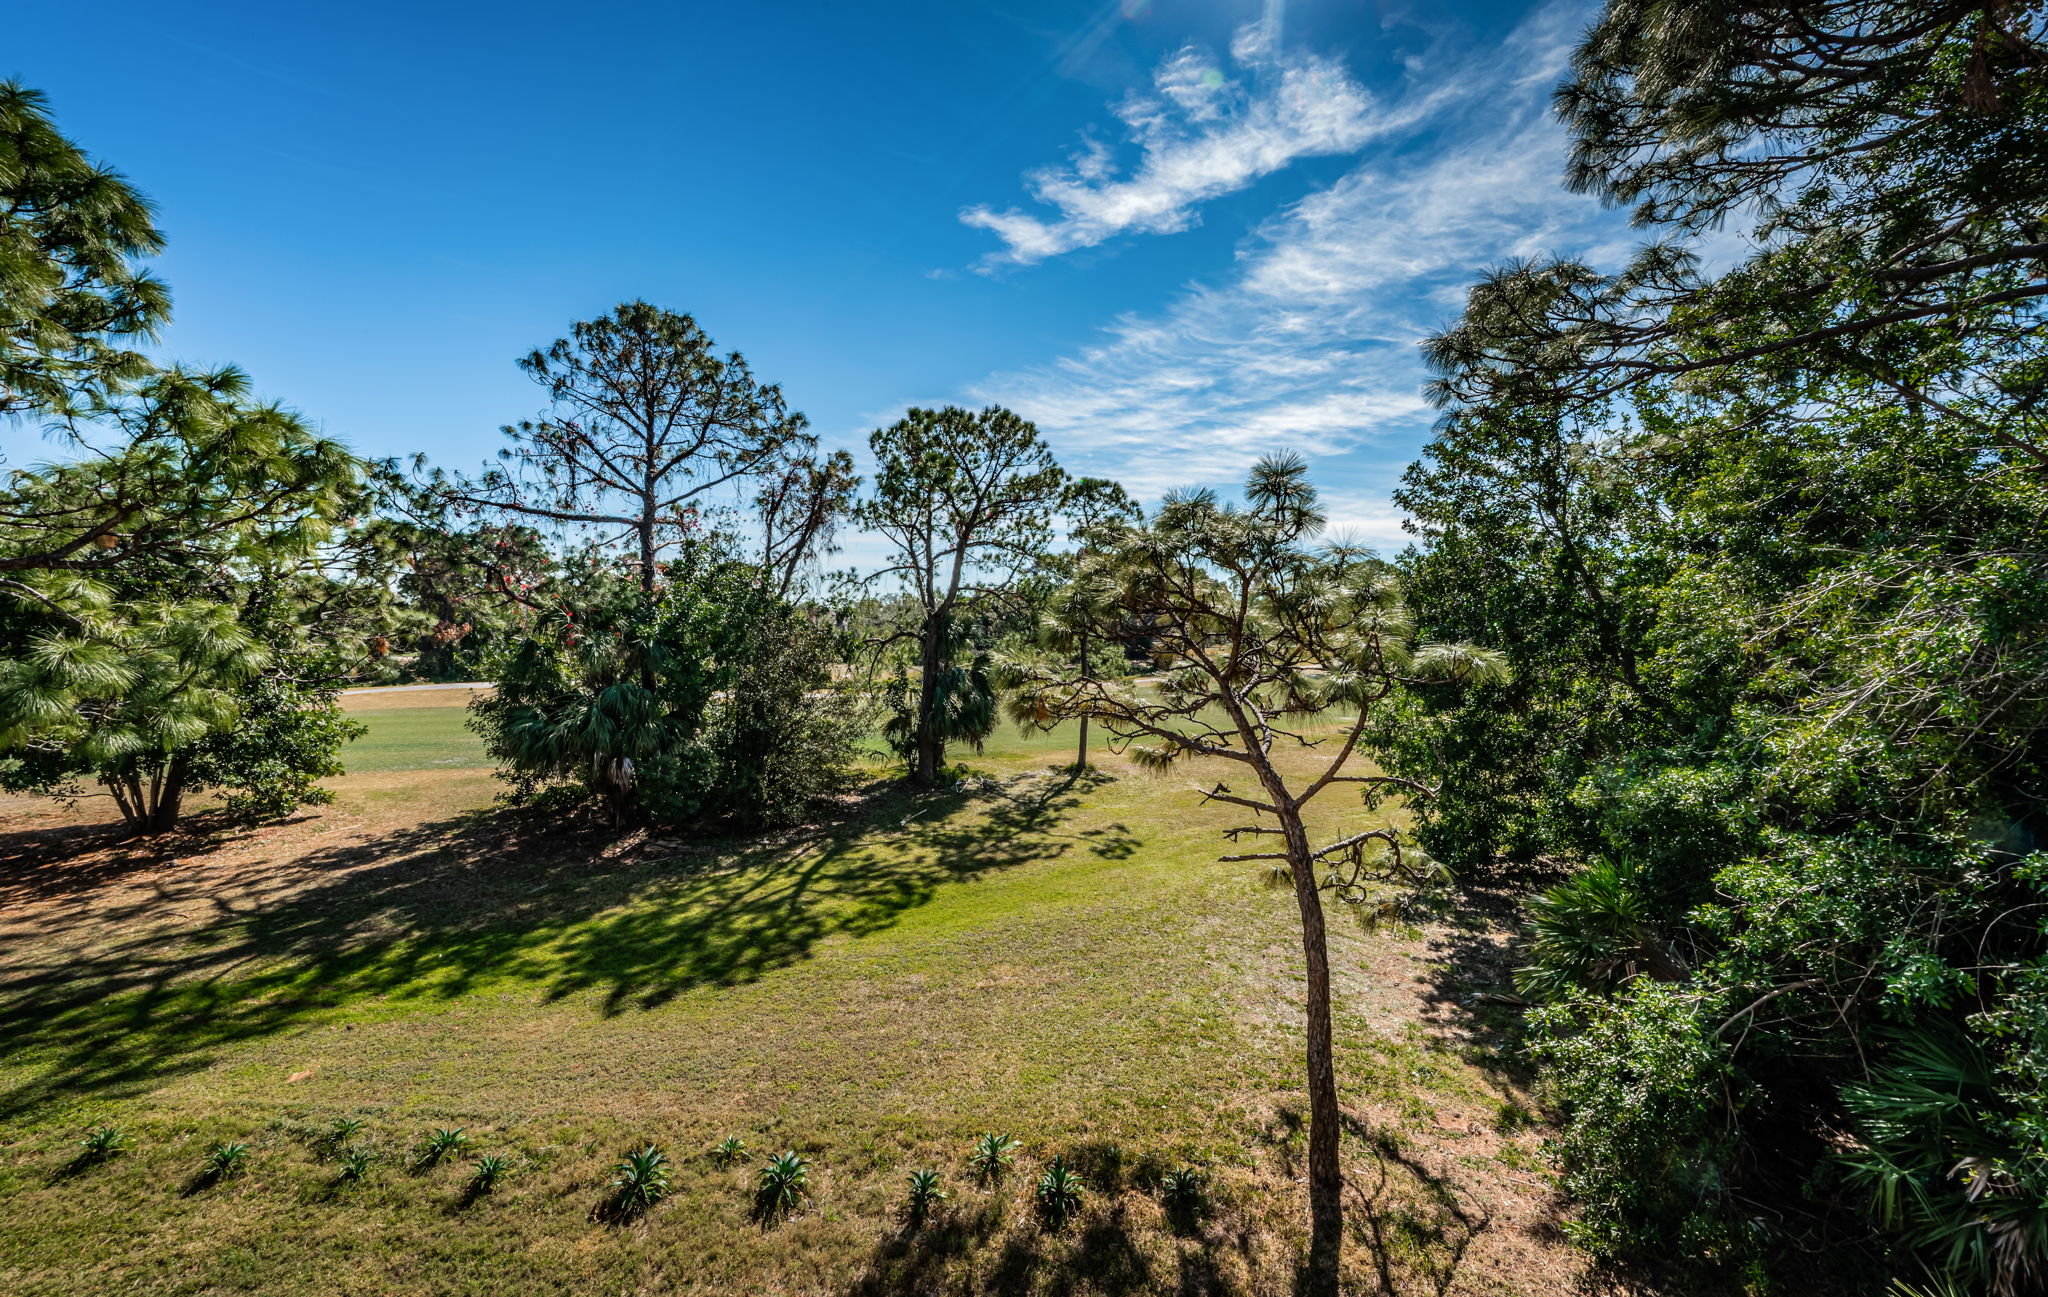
{"x": 1062, "y": 959}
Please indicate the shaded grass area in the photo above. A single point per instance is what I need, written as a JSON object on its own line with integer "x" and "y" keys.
{"x": 1059, "y": 957}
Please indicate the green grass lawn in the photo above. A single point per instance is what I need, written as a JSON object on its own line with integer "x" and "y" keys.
{"x": 1062, "y": 959}
{"x": 435, "y": 737}
{"x": 416, "y": 738}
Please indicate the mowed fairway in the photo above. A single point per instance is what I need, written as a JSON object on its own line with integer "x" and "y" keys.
{"x": 1057, "y": 958}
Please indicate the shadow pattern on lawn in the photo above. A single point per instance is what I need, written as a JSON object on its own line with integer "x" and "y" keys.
{"x": 440, "y": 909}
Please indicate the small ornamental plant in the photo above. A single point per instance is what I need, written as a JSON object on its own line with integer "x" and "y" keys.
{"x": 992, "y": 1155}
{"x": 101, "y": 1143}
{"x": 443, "y": 1143}
{"x": 784, "y": 1181}
{"x": 1184, "y": 1191}
{"x": 639, "y": 1180}
{"x": 486, "y": 1171}
{"x": 924, "y": 1197}
{"x": 224, "y": 1160}
{"x": 1060, "y": 1191}
{"x": 341, "y": 1132}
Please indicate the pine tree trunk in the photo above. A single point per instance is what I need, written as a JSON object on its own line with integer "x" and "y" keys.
{"x": 645, "y": 527}
{"x": 1081, "y": 760}
{"x": 931, "y": 750}
{"x": 163, "y": 817}
{"x": 1325, "y": 1170}
{"x": 647, "y": 582}
{"x": 151, "y": 805}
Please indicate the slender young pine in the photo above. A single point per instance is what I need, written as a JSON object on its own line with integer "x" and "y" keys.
{"x": 1261, "y": 636}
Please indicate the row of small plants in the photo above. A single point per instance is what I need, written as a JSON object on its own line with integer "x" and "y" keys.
{"x": 643, "y": 1177}
{"x": 227, "y": 1159}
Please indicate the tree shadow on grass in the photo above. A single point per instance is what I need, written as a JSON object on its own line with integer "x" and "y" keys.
{"x": 1414, "y": 1220}
{"x": 1471, "y": 1003}
{"x": 990, "y": 1249}
{"x": 495, "y": 898}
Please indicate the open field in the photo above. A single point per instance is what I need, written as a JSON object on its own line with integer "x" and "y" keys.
{"x": 1060, "y": 958}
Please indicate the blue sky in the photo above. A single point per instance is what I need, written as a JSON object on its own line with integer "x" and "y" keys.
{"x": 1177, "y": 233}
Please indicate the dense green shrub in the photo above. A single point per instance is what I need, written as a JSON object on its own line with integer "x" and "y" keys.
{"x": 709, "y": 700}
{"x": 1643, "y": 1083}
{"x": 289, "y": 736}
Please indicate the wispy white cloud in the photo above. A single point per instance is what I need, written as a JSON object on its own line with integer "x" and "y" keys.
{"x": 1204, "y": 129}
{"x": 1309, "y": 342}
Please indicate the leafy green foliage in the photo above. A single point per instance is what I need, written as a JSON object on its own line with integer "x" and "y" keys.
{"x": 102, "y": 1143}
{"x": 355, "y": 1165}
{"x": 487, "y": 1170}
{"x": 961, "y": 700}
{"x": 1592, "y": 931}
{"x": 224, "y": 1160}
{"x": 710, "y": 700}
{"x": 639, "y": 1180}
{"x": 923, "y": 1198}
{"x": 964, "y": 499}
{"x": 137, "y": 605}
{"x": 783, "y": 1182}
{"x": 992, "y": 1155}
{"x": 1059, "y": 1193}
{"x": 1640, "y": 1077}
{"x": 72, "y": 235}
{"x": 1764, "y": 550}
{"x": 1950, "y": 1164}
{"x": 730, "y": 1150}
{"x": 288, "y": 736}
